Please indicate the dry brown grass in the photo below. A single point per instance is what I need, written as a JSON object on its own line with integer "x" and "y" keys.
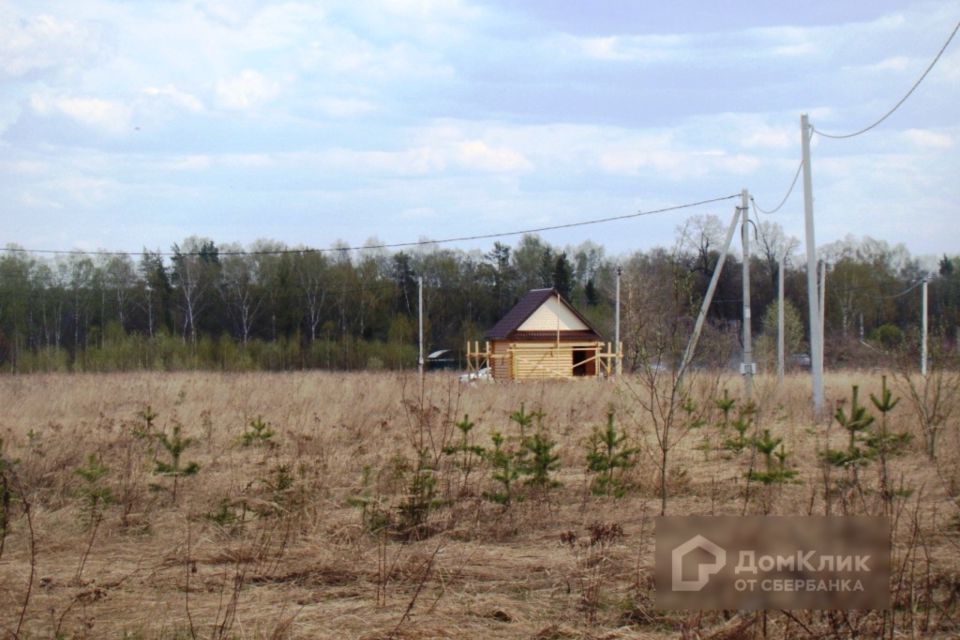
{"x": 302, "y": 564}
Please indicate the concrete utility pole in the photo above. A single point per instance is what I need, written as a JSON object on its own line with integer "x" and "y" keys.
{"x": 747, "y": 367}
{"x": 780, "y": 323}
{"x": 420, "y": 316}
{"x": 705, "y": 305}
{"x": 923, "y": 339}
{"x": 616, "y": 325}
{"x": 823, "y": 309}
{"x": 816, "y": 334}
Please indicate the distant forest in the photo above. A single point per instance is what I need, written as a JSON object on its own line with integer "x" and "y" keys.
{"x": 269, "y": 306}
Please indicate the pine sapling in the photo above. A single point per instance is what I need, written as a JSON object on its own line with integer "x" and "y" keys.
{"x": 421, "y": 499}
{"x": 537, "y": 459}
{"x": 610, "y": 458}
{"x": 524, "y": 422}
{"x": 856, "y": 424}
{"x": 95, "y": 498}
{"x": 258, "y": 432}
{"x": 741, "y": 425}
{"x": 504, "y": 472}
{"x": 6, "y": 496}
{"x": 466, "y": 454}
{"x": 725, "y": 404}
{"x": 775, "y": 470}
{"x": 885, "y": 443}
{"x": 148, "y": 415}
{"x": 373, "y": 515}
{"x": 174, "y": 445}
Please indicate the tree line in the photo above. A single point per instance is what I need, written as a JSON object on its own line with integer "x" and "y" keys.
{"x": 275, "y": 307}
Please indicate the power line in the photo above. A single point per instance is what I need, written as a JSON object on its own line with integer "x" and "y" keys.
{"x": 395, "y": 245}
{"x": 905, "y": 291}
{"x": 787, "y": 195}
{"x": 902, "y": 100}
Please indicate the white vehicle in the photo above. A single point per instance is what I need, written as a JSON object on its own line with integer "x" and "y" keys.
{"x": 474, "y": 376}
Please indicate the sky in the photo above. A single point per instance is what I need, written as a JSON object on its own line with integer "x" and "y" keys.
{"x": 135, "y": 124}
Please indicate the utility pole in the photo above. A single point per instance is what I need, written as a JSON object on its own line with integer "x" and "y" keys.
{"x": 780, "y": 323}
{"x": 705, "y": 305}
{"x": 747, "y": 366}
{"x": 923, "y": 339}
{"x": 616, "y": 326}
{"x": 823, "y": 308}
{"x": 816, "y": 334}
{"x": 420, "y": 339}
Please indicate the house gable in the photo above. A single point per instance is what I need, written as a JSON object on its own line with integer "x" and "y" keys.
{"x": 539, "y": 313}
{"x": 553, "y": 315}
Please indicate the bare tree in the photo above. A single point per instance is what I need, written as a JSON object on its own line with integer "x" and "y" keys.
{"x": 239, "y": 289}
{"x": 311, "y": 269}
{"x": 120, "y": 276}
{"x": 698, "y": 237}
{"x": 194, "y": 274}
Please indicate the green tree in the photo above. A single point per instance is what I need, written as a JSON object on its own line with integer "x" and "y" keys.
{"x": 563, "y": 275}
{"x": 792, "y": 333}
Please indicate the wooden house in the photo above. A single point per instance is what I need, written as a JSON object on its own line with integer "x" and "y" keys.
{"x": 543, "y": 336}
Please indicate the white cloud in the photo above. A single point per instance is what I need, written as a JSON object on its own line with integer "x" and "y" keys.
{"x": 246, "y": 91}
{"x": 476, "y": 154}
{"x": 45, "y": 42}
{"x": 196, "y": 162}
{"x": 771, "y": 137}
{"x": 634, "y": 49}
{"x": 928, "y": 138}
{"x": 418, "y": 213}
{"x": 659, "y": 155}
{"x": 436, "y": 158}
{"x": 106, "y": 115}
{"x": 895, "y": 63}
{"x": 176, "y": 97}
{"x": 345, "y": 107}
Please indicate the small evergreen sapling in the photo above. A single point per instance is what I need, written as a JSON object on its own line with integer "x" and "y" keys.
{"x": 775, "y": 470}
{"x": 504, "y": 472}
{"x": 536, "y": 458}
{"x": 148, "y": 415}
{"x": 375, "y": 517}
{"x": 610, "y": 458}
{"x": 257, "y": 432}
{"x": 856, "y": 425}
{"x": 741, "y": 425}
{"x": 6, "y": 496}
{"x": 420, "y": 501}
{"x": 885, "y": 443}
{"x": 95, "y": 497}
{"x": 725, "y": 404}
{"x": 174, "y": 445}
{"x": 466, "y": 454}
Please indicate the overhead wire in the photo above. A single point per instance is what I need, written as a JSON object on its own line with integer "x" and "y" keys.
{"x": 793, "y": 184}
{"x": 905, "y": 291}
{"x": 394, "y": 245}
{"x": 901, "y": 101}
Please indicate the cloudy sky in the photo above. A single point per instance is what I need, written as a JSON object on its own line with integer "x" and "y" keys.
{"x": 131, "y": 124}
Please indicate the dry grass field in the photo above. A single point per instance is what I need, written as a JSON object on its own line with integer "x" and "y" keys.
{"x": 324, "y": 523}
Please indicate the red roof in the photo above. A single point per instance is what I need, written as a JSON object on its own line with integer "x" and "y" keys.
{"x": 507, "y": 327}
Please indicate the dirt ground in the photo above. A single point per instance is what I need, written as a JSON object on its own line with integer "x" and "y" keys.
{"x": 301, "y": 508}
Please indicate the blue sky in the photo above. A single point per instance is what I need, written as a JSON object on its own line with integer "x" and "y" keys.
{"x": 132, "y": 124}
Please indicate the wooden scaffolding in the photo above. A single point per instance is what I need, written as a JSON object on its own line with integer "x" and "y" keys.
{"x": 523, "y": 360}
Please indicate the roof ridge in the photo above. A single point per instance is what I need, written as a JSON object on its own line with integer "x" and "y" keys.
{"x": 525, "y": 307}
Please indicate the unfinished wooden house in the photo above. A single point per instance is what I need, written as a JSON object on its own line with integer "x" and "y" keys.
{"x": 543, "y": 336}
